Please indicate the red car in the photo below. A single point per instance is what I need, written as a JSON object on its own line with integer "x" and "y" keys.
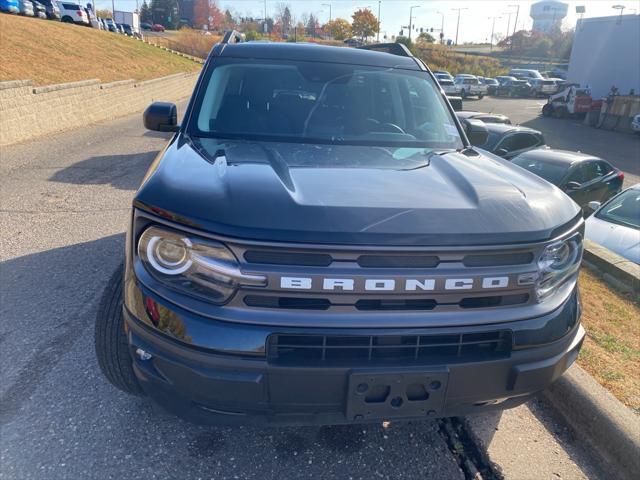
{"x": 156, "y": 27}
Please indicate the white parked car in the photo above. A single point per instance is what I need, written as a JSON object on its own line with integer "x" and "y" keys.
{"x": 616, "y": 224}
{"x": 470, "y": 86}
{"x": 635, "y": 123}
{"x": 449, "y": 87}
{"x": 73, "y": 13}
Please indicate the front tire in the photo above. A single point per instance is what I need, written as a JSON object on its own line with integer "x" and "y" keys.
{"x": 112, "y": 347}
{"x": 480, "y": 96}
{"x": 547, "y": 110}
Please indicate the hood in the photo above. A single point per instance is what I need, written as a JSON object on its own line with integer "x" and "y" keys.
{"x": 623, "y": 240}
{"x": 351, "y": 194}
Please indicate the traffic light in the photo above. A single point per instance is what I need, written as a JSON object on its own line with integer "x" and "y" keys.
{"x": 421, "y": 29}
{"x": 431, "y": 29}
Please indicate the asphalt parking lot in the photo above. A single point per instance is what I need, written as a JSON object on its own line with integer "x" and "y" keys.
{"x": 620, "y": 149}
{"x": 64, "y": 206}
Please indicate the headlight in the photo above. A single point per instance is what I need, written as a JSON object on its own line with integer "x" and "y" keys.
{"x": 198, "y": 267}
{"x": 559, "y": 262}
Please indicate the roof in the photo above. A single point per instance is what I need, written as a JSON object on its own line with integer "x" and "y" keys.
{"x": 557, "y": 157}
{"x": 472, "y": 114}
{"x": 502, "y": 128}
{"x": 311, "y": 52}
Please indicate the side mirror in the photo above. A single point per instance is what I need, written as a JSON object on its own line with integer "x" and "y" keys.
{"x": 573, "y": 186}
{"x": 593, "y": 205}
{"x": 161, "y": 117}
{"x": 476, "y": 131}
{"x": 456, "y": 103}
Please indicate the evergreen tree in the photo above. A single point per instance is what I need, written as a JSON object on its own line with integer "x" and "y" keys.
{"x": 145, "y": 13}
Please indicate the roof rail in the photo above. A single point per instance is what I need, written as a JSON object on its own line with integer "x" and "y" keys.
{"x": 392, "y": 48}
{"x": 232, "y": 36}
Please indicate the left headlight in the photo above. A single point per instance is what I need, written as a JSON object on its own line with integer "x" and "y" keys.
{"x": 558, "y": 263}
{"x": 194, "y": 266}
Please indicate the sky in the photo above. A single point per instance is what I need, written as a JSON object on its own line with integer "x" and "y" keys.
{"x": 475, "y": 24}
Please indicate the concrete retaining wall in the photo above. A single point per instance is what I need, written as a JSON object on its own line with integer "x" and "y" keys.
{"x": 27, "y": 112}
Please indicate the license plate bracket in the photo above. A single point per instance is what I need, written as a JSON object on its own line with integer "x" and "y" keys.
{"x": 395, "y": 394}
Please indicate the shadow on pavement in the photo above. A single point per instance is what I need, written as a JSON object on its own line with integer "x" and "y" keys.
{"x": 48, "y": 300}
{"x": 124, "y": 172}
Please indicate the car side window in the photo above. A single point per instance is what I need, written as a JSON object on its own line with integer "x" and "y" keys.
{"x": 579, "y": 175}
{"x": 518, "y": 141}
{"x": 603, "y": 168}
{"x": 592, "y": 170}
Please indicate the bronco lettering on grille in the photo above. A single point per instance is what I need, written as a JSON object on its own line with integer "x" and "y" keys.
{"x": 390, "y": 284}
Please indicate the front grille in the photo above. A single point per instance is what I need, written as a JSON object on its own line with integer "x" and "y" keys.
{"x": 370, "y": 304}
{"x": 348, "y": 350}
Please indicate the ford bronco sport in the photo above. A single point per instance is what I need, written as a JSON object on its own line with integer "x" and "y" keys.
{"x": 319, "y": 243}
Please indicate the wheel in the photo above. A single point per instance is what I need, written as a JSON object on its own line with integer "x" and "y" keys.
{"x": 112, "y": 348}
{"x": 66, "y": 19}
{"x": 480, "y": 96}
{"x": 547, "y": 110}
{"x": 464, "y": 94}
{"x": 561, "y": 112}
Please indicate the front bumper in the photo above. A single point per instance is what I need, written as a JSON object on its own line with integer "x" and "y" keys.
{"x": 243, "y": 386}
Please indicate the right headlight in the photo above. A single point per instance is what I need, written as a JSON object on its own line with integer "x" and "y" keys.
{"x": 558, "y": 263}
{"x": 192, "y": 265}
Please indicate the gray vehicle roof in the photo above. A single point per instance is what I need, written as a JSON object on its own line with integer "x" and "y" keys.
{"x": 557, "y": 157}
{"x": 311, "y": 52}
{"x": 502, "y": 128}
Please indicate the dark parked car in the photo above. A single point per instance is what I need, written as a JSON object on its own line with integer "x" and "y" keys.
{"x": 502, "y": 79}
{"x": 583, "y": 177}
{"x": 127, "y": 29}
{"x": 513, "y": 88}
{"x": 507, "y": 141}
{"x": 485, "y": 117}
{"x": 53, "y": 11}
{"x": 491, "y": 84}
{"x": 145, "y": 26}
{"x": 305, "y": 251}
{"x": 39, "y": 10}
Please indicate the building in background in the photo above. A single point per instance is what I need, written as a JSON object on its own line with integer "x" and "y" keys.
{"x": 547, "y": 15}
{"x": 606, "y": 53}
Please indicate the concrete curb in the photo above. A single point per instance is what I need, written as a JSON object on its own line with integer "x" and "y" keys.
{"x": 623, "y": 274}
{"x": 601, "y": 420}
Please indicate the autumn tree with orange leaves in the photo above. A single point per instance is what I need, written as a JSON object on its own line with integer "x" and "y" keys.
{"x": 202, "y": 10}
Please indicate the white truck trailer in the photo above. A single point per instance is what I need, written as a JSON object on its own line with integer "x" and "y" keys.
{"x": 128, "y": 18}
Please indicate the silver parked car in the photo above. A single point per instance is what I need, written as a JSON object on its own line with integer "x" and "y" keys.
{"x": 616, "y": 224}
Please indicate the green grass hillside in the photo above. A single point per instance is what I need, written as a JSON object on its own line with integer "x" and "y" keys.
{"x": 53, "y": 52}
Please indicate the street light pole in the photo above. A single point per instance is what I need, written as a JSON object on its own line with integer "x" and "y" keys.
{"x": 508, "y": 22}
{"x": 328, "y": 5}
{"x": 458, "y": 25}
{"x": 411, "y": 19}
{"x": 515, "y": 25}
{"x": 493, "y": 26}
{"x": 378, "y": 36}
{"x": 441, "y": 28}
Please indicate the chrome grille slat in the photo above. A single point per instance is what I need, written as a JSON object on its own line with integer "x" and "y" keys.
{"x": 316, "y": 263}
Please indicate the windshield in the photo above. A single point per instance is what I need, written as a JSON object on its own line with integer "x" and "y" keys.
{"x": 551, "y": 172}
{"x": 623, "y": 210}
{"x": 323, "y": 103}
